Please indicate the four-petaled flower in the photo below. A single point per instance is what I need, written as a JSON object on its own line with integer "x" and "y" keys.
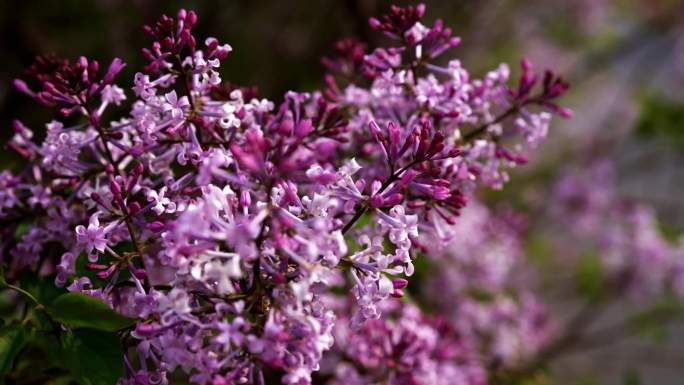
{"x": 174, "y": 105}
{"x": 162, "y": 204}
{"x": 93, "y": 236}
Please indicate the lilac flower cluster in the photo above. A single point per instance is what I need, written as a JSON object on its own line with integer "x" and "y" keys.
{"x": 626, "y": 236}
{"x": 498, "y": 311}
{"x": 222, "y": 222}
{"x": 407, "y": 348}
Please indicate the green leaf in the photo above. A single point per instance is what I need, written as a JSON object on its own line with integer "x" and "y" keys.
{"x": 43, "y": 288}
{"x": 589, "y": 278}
{"x": 80, "y": 310}
{"x": 41, "y": 360}
{"x": 12, "y": 340}
{"x": 93, "y": 357}
{"x": 21, "y": 230}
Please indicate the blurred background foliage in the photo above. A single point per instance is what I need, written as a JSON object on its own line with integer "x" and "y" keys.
{"x": 625, "y": 59}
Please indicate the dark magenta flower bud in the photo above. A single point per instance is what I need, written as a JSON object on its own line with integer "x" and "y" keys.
{"x": 156, "y": 226}
{"x": 399, "y": 283}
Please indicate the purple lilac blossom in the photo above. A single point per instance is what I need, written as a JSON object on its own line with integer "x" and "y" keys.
{"x": 237, "y": 216}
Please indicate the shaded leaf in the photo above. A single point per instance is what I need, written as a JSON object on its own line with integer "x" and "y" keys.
{"x": 93, "y": 357}
{"x": 42, "y": 287}
{"x": 12, "y": 340}
{"x": 80, "y": 310}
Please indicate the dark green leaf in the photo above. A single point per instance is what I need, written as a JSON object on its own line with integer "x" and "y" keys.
{"x": 12, "y": 340}
{"x": 21, "y": 230}
{"x": 41, "y": 360}
{"x": 93, "y": 357}
{"x": 43, "y": 288}
{"x": 80, "y": 310}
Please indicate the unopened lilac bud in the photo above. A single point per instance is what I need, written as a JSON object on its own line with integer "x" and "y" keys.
{"x": 185, "y": 36}
{"x": 97, "y": 198}
{"x": 114, "y": 69}
{"x": 191, "y": 19}
{"x": 420, "y": 9}
{"x": 374, "y": 128}
{"x": 156, "y": 226}
{"x": 525, "y": 64}
{"x": 104, "y": 274}
{"x": 377, "y": 201}
{"x": 374, "y": 23}
{"x": 241, "y": 113}
{"x": 408, "y": 177}
{"x": 167, "y": 43}
{"x": 18, "y": 126}
{"x": 50, "y": 88}
{"x": 138, "y": 273}
{"x": 117, "y": 135}
{"x": 114, "y": 187}
{"x": 285, "y": 127}
{"x": 134, "y": 208}
{"x": 136, "y": 151}
{"x": 139, "y": 169}
{"x": 304, "y": 128}
{"x": 454, "y": 152}
{"x": 93, "y": 67}
{"x": 564, "y": 112}
{"x": 191, "y": 190}
{"x": 95, "y": 266}
{"x": 245, "y": 198}
{"x": 394, "y": 199}
{"x": 399, "y": 283}
{"x": 147, "y": 330}
{"x": 21, "y": 86}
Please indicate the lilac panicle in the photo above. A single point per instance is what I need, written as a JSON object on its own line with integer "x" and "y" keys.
{"x": 237, "y": 216}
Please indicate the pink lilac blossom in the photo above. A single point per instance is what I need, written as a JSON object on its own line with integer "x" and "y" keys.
{"x": 623, "y": 233}
{"x": 237, "y": 216}
{"x": 407, "y": 348}
{"x": 484, "y": 267}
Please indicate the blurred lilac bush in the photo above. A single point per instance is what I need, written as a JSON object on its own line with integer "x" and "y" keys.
{"x": 210, "y": 234}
